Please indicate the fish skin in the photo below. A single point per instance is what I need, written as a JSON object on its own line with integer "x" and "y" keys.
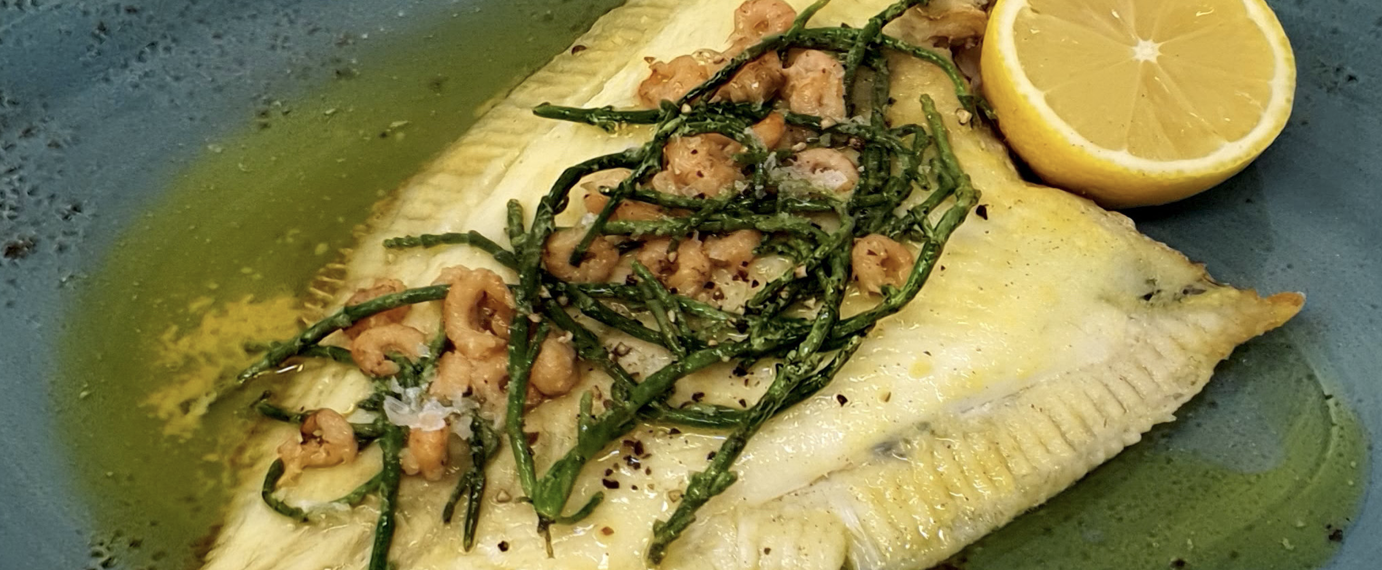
{"x": 1031, "y": 358}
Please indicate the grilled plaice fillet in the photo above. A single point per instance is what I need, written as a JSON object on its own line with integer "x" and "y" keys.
{"x": 1052, "y": 336}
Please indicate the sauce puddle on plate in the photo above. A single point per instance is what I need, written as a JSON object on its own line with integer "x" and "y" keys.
{"x": 227, "y": 253}
{"x": 1259, "y": 472}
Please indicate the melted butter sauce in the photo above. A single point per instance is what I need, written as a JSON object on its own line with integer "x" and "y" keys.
{"x": 235, "y": 239}
{"x": 1259, "y": 473}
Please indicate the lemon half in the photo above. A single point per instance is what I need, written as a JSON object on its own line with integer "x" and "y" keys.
{"x": 1138, "y": 102}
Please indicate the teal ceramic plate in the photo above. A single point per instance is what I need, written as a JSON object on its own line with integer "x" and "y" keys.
{"x": 157, "y": 152}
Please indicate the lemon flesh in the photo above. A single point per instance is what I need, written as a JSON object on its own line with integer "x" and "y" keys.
{"x": 1138, "y": 102}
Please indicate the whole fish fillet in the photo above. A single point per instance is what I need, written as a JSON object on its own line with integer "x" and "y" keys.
{"x": 1052, "y": 336}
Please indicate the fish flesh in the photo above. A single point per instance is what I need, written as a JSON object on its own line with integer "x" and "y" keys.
{"x": 1050, "y": 337}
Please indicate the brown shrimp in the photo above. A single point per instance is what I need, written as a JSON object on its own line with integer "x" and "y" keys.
{"x": 426, "y": 453}
{"x": 655, "y": 256}
{"x": 771, "y": 129}
{"x": 671, "y": 80}
{"x": 380, "y": 288}
{"x": 324, "y": 439}
{"x": 684, "y": 271}
{"x": 629, "y": 210}
{"x": 477, "y": 311}
{"x": 485, "y": 379}
{"x": 758, "y": 81}
{"x": 370, "y": 350}
{"x": 597, "y": 266}
{"x": 595, "y": 201}
{"x": 699, "y": 166}
{"x": 816, "y": 85}
{"x": 604, "y": 179}
{"x": 459, "y": 375}
{"x": 828, "y": 168}
{"x": 554, "y": 370}
{"x": 733, "y": 251}
{"x": 880, "y": 261}
{"x": 757, "y": 19}
{"x": 954, "y": 21}
{"x": 692, "y": 268}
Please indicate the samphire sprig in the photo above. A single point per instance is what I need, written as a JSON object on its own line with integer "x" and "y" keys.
{"x": 911, "y": 188}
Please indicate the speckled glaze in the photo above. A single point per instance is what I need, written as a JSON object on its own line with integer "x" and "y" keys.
{"x": 101, "y": 101}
